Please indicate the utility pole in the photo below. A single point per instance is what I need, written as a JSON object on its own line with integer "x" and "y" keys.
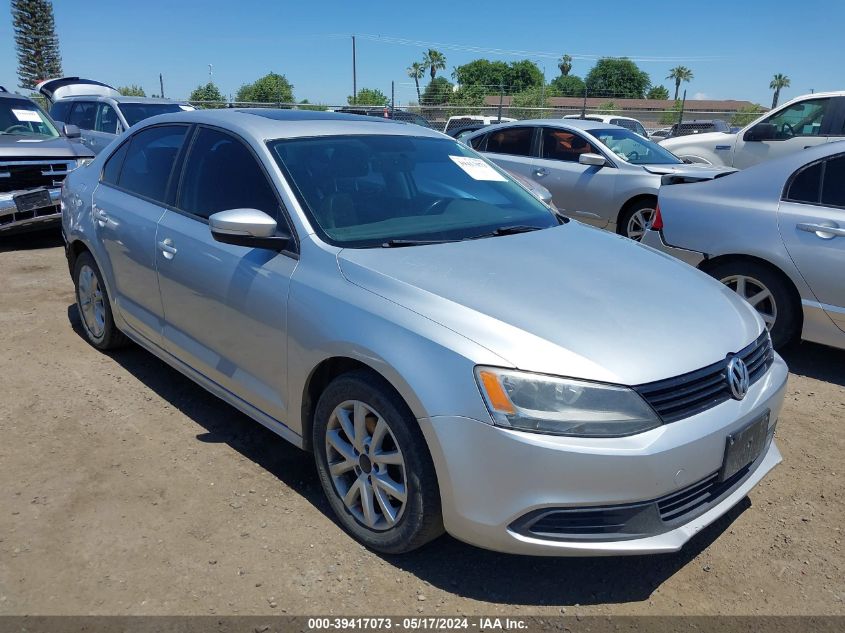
{"x": 161, "y": 85}
{"x": 354, "y": 74}
{"x": 584, "y": 105}
{"x": 501, "y": 96}
{"x": 681, "y": 113}
{"x": 392, "y": 99}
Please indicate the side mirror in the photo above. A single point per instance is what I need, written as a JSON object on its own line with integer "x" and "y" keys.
{"x": 760, "y": 132}
{"x": 71, "y": 131}
{"x": 596, "y": 160}
{"x": 247, "y": 227}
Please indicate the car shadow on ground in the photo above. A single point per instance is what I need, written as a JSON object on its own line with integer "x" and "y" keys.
{"x": 816, "y": 361}
{"x": 46, "y": 238}
{"x": 445, "y": 563}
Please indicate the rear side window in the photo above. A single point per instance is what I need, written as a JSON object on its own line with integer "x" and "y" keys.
{"x": 149, "y": 161}
{"x": 806, "y": 184}
{"x": 220, "y": 174}
{"x": 833, "y": 190}
{"x": 59, "y": 111}
{"x": 511, "y": 140}
{"x": 478, "y": 141}
{"x": 106, "y": 119}
{"x": 111, "y": 170}
{"x": 83, "y": 114}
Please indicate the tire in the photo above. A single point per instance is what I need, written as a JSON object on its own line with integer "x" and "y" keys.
{"x": 92, "y": 301}
{"x": 634, "y": 217}
{"x": 390, "y": 526}
{"x": 779, "y": 310}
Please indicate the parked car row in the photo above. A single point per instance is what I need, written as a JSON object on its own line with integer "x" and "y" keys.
{"x": 455, "y": 353}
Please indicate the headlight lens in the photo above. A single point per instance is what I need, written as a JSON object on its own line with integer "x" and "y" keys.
{"x": 562, "y": 406}
{"x": 82, "y": 162}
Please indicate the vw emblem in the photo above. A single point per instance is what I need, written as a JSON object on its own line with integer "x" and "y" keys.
{"x": 738, "y": 379}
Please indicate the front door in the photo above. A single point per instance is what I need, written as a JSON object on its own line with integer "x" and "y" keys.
{"x": 225, "y": 306}
{"x": 812, "y": 224}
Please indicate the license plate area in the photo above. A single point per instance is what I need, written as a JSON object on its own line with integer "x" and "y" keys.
{"x": 744, "y": 446}
{"x": 32, "y": 200}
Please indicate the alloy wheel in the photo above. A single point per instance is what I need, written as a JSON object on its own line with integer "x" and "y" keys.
{"x": 755, "y": 293}
{"x": 639, "y": 223}
{"x": 366, "y": 465}
{"x": 91, "y": 303}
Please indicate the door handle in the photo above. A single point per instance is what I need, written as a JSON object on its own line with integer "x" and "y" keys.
{"x": 167, "y": 249}
{"x": 101, "y": 216}
{"x": 540, "y": 172}
{"x": 823, "y": 231}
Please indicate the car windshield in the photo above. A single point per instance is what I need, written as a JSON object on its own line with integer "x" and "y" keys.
{"x": 373, "y": 190}
{"x": 630, "y": 124}
{"x": 134, "y": 112}
{"x": 633, "y": 148}
{"x": 19, "y": 117}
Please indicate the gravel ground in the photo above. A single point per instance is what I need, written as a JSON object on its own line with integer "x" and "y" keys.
{"x": 126, "y": 489}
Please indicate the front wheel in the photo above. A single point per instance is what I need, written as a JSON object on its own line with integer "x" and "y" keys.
{"x": 374, "y": 465}
{"x": 635, "y": 219}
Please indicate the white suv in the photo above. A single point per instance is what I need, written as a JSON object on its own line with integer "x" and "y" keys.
{"x": 798, "y": 124}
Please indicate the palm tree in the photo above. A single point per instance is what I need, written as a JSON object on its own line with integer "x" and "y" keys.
{"x": 778, "y": 81}
{"x": 416, "y": 72}
{"x": 565, "y": 64}
{"x": 679, "y": 74}
{"x": 434, "y": 60}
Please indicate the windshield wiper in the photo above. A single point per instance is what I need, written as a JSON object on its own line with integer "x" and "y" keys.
{"x": 509, "y": 230}
{"x": 399, "y": 243}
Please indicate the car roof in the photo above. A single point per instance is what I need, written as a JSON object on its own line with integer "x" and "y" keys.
{"x": 119, "y": 99}
{"x": 269, "y": 123}
{"x": 603, "y": 117}
{"x": 577, "y": 124}
{"x": 14, "y": 95}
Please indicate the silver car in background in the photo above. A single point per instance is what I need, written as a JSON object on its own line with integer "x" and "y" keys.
{"x": 380, "y": 295}
{"x": 598, "y": 173}
{"x": 774, "y": 233}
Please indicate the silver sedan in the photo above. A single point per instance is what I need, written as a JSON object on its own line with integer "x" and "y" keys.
{"x": 382, "y": 296}
{"x": 774, "y": 233}
{"x": 601, "y": 174}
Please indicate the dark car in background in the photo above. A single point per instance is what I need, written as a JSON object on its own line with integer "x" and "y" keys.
{"x": 699, "y": 126}
{"x": 386, "y": 112}
{"x": 35, "y": 157}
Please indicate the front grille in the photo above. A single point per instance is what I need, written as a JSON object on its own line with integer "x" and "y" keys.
{"x": 584, "y": 522}
{"x": 32, "y": 174}
{"x": 686, "y": 395}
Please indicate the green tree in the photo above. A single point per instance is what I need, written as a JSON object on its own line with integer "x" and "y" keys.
{"x": 567, "y": 86}
{"x": 608, "y": 107}
{"x": 416, "y": 71}
{"x": 368, "y": 96}
{"x": 468, "y": 97}
{"x": 207, "y": 96}
{"x": 307, "y": 105}
{"x": 437, "y": 92}
{"x": 778, "y": 81}
{"x": 679, "y": 74}
{"x": 617, "y": 77}
{"x": 489, "y": 75}
{"x": 658, "y": 92}
{"x": 524, "y": 104}
{"x": 36, "y": 41}
{"x": 433, "y": 61}
{"x": 565, "y": 65}
{"x": 523, "y": 75}
{"x": 272, "y": 87}
{"x": 671, "y": 116}
{"x": 132, "y": 90}
{"x": 746, "y": 114}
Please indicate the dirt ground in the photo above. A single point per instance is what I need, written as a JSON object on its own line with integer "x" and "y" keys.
{"x": 127, "y": 489}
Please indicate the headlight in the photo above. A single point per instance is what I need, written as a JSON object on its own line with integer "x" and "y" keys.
{"x": 562, "y": 406}
{"x": 81, "y": 162}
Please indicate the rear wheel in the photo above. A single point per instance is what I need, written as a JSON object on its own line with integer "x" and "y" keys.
{"x": 767, "y": 291}
{"x": 636, "y": 218}
{"x": 374, "y": 465}
{"x": 92, "y": 301}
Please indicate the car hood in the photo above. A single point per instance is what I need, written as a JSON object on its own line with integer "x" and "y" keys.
{"x": 707, "y": 139}
{"x": 23, "y": 147}
{"x": 570, "y": 300}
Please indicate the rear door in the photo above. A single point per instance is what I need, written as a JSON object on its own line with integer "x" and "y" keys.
{"x": 225, "y": 306}
{"x": 83, "y": 114}
{"x": 513, "y": 149}
{"x": 135, "y": 186}
{"x": 811, "y": 218}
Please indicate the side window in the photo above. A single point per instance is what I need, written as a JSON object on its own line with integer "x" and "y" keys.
{"x": 806, "y": 184}
{"x": 564, "y": 145}
{"x": 59, "y": 111}
{"x": 800, "y": 119}
{"x": 511, "y": 140}
{"x": 149, "y": 161}
{"x": 111, "y": 170}
{"x": 221, "y": 173}
{"x": 106, "y": 119}
{"x": 83, "y": 115}
{"x": 478, "y": 141}
{"x": 833, "y": 189}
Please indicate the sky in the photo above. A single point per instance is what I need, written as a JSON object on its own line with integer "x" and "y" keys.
{"x": 733, "y": 48}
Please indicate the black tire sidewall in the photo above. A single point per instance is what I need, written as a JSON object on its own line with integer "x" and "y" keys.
{"x": 421, "y": 518}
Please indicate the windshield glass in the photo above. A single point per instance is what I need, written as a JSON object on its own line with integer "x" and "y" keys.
{"x": 633, "y": 148}
{"x": 23, "y": 118}
{"x": 631, "y": 124}
{"x": 134, "y": 112}
{"x": 364, "y": 191}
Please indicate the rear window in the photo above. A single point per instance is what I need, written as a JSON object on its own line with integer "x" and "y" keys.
{"x": 806, "y": 184}
{"x": 833, "y": 190}
{"x": 135, "y": 112}
{"x": 511, "y": 140}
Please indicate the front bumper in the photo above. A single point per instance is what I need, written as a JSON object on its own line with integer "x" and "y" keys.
{"x": 492, "y": 478}
{"x": 655, "y": 240}
{"x": 12, "y": 220}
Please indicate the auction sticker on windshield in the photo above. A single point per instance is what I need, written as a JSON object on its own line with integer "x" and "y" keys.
{"x": 30, "y": 116}
{"x": 477, "y": 168}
